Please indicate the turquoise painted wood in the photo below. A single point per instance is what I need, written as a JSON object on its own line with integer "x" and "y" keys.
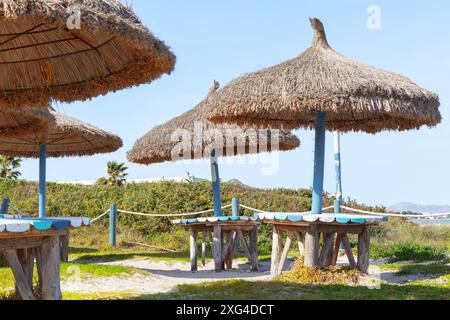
{"x": 237, "y": 218}
{"x": 112, "y": 225}
{"x": 42, "y": 180}
{"x": 281, "y": 217}
{"x": 223, "y": 218}
{"x": 40, "y": 224}
{"x": 295, "y": 218}
{"x": 184, "y": 221}
{"x": 5, "y": 206}
{"x": 216, "y": 183}
{"x": 194, "y": 220}
{"x": 319, "y": 163}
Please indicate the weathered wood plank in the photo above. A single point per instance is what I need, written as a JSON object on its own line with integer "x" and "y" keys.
{"x": 364, "y": 250}
{"x": 204, "y": 248}
{"x": 284, "y": 255}
{"x": 12, "y": 244}
{"x": 244, "y": 244}
{"x": 50, "y": 255}
{"x": 337, "y": 247}
{"x": 276, "y": 250}
{"x": 348, "y": 251}
{"x": 22, "y": 283}
{"x": 312, "y": 247}
{"x": 253, "y": 248}
{"x": 64, "y": 240}
{"x": 326, "y": 247}
{"x": 193, "y": 239}
{"x": 300, "y": 243}
{"x": 217, "y": 243}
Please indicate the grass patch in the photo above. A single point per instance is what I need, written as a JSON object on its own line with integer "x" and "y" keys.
{"x": 244, "y": 290}
{"x": 408, "y": 251}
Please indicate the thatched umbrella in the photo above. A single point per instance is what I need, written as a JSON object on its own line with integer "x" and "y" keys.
{"x": 64, "y": 137}
{"x": 323, "y": 89}
{"x": 20, "y": 122}
{"x": 189, "y": 137}
{"x": 45, "y": 53}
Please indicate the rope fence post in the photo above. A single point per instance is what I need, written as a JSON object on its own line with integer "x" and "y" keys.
{"x": 235, "y": 207}
{"x": 5, "y": 206}
{"x": 112, "y": 225}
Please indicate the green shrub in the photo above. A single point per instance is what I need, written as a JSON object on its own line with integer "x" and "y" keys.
{"x": 409, "y": 252}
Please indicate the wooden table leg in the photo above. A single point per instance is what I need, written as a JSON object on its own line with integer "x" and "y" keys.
{"x": 26, "y": 258}
{"x": 348, "y": 250}
{"x": 364, "y": 250}
{"x": 65, "y": 247}
{"x": 204, "y": 248}
{"x": 193, "y": 241}
{"x": 22, "y": 283}
{"x": 217, "y": 239}
{"x": 337, "y": 248}
{"x": 51, "y": 257}
{"x": 276, "y": 250}
{"x": 301, "y": 243}
{"x": 285, "y": 253}
{"x": 312, "y": 247}
{"x": 253, "y": 248}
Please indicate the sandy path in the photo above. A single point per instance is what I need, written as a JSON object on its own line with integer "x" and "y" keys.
{"x": 160, "y": 277}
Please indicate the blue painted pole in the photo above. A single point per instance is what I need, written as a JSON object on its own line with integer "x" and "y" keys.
{"x": 337, "y": 166}
{"x": 216, "y": 184}
{"x": 5, "y": 206}
{"x": 319, "y": 163}
{"x": 112, "y": 224}
{"x": 42, "y": 180}
{"x": 235, "y": 207}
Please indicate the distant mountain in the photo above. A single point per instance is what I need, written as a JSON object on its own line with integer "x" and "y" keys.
{"x": 412, "y": 207}
{"x": 236, "y": 181}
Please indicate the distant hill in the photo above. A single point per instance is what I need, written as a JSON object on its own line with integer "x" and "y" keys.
{"x": 236, "y": 181}
{"x": 412, "y": 207}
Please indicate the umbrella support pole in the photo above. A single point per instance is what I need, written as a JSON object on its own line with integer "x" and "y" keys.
{"x": 319, "y": 163}
{"x": 42, "y": 180}
{"x": 337, "y": 165}
{"x": 216, "y": 184}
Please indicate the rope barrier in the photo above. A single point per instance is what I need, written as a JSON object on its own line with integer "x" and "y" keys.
{"x": 398, "y": 215}
{"x": 171, "y": 215}
{"x": 17, "y": 210}
{"x": 263, "y": 211}
{"x": 100, "y": 216}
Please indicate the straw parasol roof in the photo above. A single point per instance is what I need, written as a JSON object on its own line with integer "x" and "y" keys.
{"x": 354, "y": 96}
{"x": 65, "y": 136}
{"x": 43, "y": 53}
{"x": 20, "y": 122}
{"x": 190, "y": 137}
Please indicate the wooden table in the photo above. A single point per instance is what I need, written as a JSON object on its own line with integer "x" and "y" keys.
{"x": 308, "y": 234}
{"x": 224, "y": 235}
{"x": 21, "y": 250}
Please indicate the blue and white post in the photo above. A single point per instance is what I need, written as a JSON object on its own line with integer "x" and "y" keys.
{"x": 319, "y": 163}
{"x": 216, "y": 184}
{"x": 337, "y": 166}
{"x": 42, "y": 180}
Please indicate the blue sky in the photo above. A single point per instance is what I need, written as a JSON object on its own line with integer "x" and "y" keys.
{"x": 223, "y": 39}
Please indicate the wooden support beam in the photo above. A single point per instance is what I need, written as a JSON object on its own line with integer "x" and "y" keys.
{"x": 244, "y": 244}
{"x": 193, "y": 241}
{"x": 50, "y": 255}
{"x": 276, "y": 247}
{"x": 37, "y": 255}
{"x": 217, "y": 243}
{"x": 22, "y": 283}
{"x": 301, "y": 243}
{"x": 329, "y": 258}
{"x": 326, "y": 247}
{"x": 211, "y": 242}
{"x": 348, "y": 251}
{"x": 284, "y": 255}
{"x": 337, "y": 247}
{"x": 65, "y": 247}
{"x": 228, "y": 251}
{"x": 253, "y": 248}
{"x": 26, "y": 258}
{"x": 364, "y": 250}
{"x": 204, "y": 248}
{"x": 312, "y": 247}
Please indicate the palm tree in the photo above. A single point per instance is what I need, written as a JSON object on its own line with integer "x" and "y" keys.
{"x": 116, "y": 173}
{"x": 9, "y": 166}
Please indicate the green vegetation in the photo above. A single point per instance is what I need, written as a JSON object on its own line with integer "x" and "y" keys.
{"x": 9, "y": 168}
{"x": 409, "y": 252}
{"x": 116, "y": 175}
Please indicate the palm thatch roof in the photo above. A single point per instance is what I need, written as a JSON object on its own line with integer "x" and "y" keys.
{"x": 188, "y": 136}
{"x": 64, "y": 137}
{"x": 354, "y": 96}
{"x": 43, "y": 53}
{"x": 20, "y": 121}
